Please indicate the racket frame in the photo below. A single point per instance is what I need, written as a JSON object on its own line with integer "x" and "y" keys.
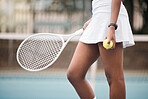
{"x": 61, "y": 36}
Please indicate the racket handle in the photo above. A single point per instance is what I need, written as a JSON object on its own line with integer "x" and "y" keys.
{"x": 79, "y": 32}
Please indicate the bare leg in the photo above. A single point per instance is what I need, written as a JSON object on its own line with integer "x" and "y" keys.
{"x": 83, "y": 58}
{"x": 113, "y": 65}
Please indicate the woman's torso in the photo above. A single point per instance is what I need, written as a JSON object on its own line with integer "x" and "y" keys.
{"x": 105, "y": 6}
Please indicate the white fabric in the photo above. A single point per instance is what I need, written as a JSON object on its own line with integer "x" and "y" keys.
{"x": 97, "y": 29}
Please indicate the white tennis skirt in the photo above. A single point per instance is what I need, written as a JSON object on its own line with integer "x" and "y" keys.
{"x": 97, "y": 29}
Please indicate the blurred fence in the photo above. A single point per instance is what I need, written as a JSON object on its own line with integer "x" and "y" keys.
{"x": 60, "y": 16}
{"x": 32, "y": 16}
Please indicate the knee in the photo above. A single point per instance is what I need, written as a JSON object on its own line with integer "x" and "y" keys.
{"x": 109, "y": 78}
{"x": 73, "y": 76}
{"x": 114, "y": 78}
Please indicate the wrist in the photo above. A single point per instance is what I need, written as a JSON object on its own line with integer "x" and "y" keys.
{"x": 113, "y": 25}
{"x": 112, "y": 29}
{"x": 89, "y": 19}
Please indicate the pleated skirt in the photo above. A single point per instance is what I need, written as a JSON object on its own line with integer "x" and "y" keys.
{"x": 97, "y": 29}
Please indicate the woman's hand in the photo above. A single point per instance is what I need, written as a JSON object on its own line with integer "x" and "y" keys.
{"x": 86, "y": 24}
{"x": 111, "y": 36}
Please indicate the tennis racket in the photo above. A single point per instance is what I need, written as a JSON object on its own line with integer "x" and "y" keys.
{"x": 39, "y": 51}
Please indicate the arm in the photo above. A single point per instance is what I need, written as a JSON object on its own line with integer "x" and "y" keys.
{"x": 115, "y": 8}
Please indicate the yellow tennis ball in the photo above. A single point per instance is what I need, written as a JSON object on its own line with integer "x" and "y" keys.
{"x": 105, "y": 44}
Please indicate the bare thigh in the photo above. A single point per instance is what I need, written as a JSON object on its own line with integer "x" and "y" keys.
{"x": 112, "y": 61}
{"x": 84, "y": 56}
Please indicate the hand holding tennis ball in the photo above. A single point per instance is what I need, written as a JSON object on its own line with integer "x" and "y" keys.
{"x": 107, "y": 46}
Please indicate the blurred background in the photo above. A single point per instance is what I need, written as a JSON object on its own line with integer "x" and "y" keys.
{"x": 21, "y": 18}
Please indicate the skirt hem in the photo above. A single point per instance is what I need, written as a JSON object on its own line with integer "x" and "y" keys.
{"x": 126, "y": 43}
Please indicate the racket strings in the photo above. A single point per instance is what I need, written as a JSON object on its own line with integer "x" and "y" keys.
{"x": 39, "y": 61}
{"x": 39, "y": 51}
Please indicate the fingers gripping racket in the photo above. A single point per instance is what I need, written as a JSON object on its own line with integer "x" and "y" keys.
{"x": 39, "y": 51}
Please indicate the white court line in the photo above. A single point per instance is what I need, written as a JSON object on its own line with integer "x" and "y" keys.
{"x": 14, "y": 36}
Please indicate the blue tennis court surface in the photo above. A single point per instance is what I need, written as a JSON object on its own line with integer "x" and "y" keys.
{"x": 58, "y": 87}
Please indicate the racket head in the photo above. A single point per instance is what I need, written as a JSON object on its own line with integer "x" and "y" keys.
{"x": 39, "y": 51}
